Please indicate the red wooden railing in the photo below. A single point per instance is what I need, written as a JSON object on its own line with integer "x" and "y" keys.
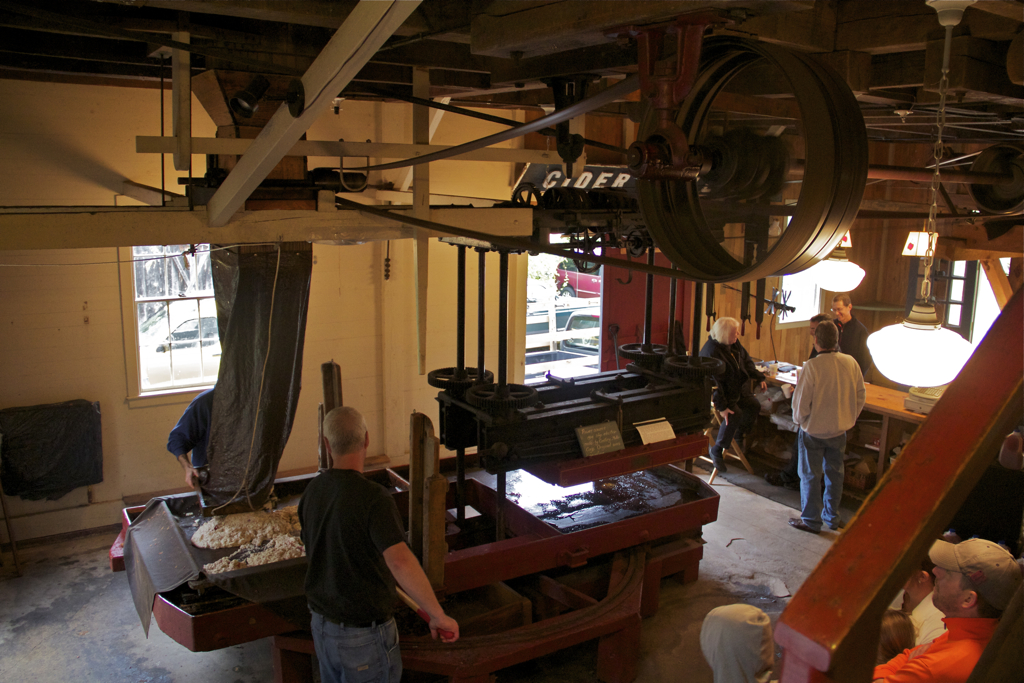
{"x": 830, "y": 628}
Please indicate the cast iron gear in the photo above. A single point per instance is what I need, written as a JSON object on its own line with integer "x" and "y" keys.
{"x": 453, "y": 379}
{"x": 693, "y": 367}
{"x": 650, "y": 359}
{"x": 496, "y": 399}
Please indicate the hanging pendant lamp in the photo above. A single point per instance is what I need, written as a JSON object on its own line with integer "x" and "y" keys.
{"x": 919, "y": 352}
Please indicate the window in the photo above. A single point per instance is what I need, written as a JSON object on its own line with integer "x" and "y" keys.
{"x": 175, "y": 317}
{"x": 955, "y": 290}
{"x": 800, "y": 291}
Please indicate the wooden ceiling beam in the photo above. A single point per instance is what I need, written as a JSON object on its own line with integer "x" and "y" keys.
{"x": 362, "y": 34}
{"x": 811, "y": 30}
{"x": 506, "y": 27}
{"x": 97, "y": 226}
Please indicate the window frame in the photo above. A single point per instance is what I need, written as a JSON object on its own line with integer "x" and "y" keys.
{"x": 132, "y": 339}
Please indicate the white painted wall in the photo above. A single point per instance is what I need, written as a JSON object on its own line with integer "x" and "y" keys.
{"x": 61, "y": 310}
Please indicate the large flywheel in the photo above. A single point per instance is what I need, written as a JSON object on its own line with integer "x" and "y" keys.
{"x": 807, "y": 164}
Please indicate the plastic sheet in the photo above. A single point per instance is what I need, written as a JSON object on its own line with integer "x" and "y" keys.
{"x": 260, "y": 371}
{"x": 50, "y": 450}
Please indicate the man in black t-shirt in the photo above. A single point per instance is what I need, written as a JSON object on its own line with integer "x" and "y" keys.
{"x": 356, "y": 550}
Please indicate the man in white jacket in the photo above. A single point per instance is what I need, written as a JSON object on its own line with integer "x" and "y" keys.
{"x": 828, "y": 398}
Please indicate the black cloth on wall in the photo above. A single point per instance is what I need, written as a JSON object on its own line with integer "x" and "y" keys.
{"x": 49, "y": 450}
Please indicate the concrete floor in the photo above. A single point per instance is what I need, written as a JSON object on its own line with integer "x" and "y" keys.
{"x": 69, "y": 618}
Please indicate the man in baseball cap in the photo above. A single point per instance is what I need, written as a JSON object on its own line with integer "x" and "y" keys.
{"x": 974, "y": 582}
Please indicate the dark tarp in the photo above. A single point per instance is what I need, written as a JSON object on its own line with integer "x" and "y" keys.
{"x": 49, "y": 450}
{"x": 252, "y": 389}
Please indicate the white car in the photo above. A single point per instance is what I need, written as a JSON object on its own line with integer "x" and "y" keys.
{"x": 185, "y": 357}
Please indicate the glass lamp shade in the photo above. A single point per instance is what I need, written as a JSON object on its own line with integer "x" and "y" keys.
{"x": 836, "y": 276}
{"x": 919, "y": 352}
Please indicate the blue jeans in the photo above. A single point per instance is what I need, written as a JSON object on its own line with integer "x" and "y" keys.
{"x": 815, "y": 452}
{"x": 357, "y": 655}
{"x": 747, "y": 409}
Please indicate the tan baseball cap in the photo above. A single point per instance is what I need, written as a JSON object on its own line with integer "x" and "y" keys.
{"x": 989, "y": 567}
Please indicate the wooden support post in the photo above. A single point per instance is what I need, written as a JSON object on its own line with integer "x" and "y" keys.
{"x": 998, "y": 279}
{"x": 428, "y": 489}
{"x": 418, "y": 423}
{"x": 435, "y": 492}
{"x": 181, "y": 97}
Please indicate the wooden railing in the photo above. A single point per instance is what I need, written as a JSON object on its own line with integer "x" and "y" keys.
{"x": 830, "y": 628}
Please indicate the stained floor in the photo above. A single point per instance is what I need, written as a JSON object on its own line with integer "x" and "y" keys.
{"x": 69, "y": 618}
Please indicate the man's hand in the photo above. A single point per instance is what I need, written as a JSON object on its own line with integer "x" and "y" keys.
{"x": 191, "y": 473}
{"x": 448, "y": 625}
{"x": 764, "y": 386}
{"x": 725, "y": 415}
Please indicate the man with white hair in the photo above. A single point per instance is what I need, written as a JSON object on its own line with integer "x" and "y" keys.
{"x": 974, "y": 582}
{"x": 356, "y": 548}
{"x": 733, "y": 396}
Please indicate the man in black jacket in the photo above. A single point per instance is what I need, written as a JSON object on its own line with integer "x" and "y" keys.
{"x": 733, "y": 397}
{"x": 853, "y": 336}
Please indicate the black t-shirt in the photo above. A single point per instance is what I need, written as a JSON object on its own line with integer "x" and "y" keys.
{"x": 347, "y": 524}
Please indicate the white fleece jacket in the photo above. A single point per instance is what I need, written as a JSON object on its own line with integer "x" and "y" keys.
{"x": 829, "y": 395}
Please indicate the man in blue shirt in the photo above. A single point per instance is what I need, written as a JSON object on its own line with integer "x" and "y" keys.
{"x": 192, "y": 433}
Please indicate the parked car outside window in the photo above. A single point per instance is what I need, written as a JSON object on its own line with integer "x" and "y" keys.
{"x": 571, "y": 282}
{"x": 590, "y": 321}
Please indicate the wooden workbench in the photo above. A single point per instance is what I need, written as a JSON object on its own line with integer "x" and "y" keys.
{"x": 887, "y": 404}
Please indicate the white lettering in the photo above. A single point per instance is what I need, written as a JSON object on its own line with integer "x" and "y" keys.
{"x": 584, "y": 179}
{"x": 566, "y": 182}
{"x": 621, "y": 180}
{"x": 551, "y": 179}
{"x": 602, "y": 179}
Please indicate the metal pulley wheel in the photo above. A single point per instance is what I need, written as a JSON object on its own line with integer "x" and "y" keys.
{"x": 693, "y": 367}
{"x": 496, "y": 399}
{"x": 526, "y": 194}
{"x": 452, "y": 379}
{"x": 649, "y": 358}
{"x": 703, "y": 226}
{"x": 1007, "y": 159}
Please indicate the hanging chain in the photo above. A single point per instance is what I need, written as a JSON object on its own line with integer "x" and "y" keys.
{"x": 937, "y": 154}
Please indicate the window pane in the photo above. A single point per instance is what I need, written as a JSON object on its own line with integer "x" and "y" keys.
{"x": 953, "y": 315}
{"x": 803, "y": 294}
{"x": 956, "y": 289}
{"x": 151, "y": 273}
{"x": 184, "y": 340}
{"x": 959, "y": 268}
{"x": 154, "y": 356}
{"x": 211, "y": 351}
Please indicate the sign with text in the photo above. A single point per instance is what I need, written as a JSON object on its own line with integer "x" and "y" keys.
{"x": 546, "y": 177}
{"x": 654, "y": 431}
{"x": 600, "y": 438}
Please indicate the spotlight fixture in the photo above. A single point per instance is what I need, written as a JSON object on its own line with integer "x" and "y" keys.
{"x": 246, "y": 102}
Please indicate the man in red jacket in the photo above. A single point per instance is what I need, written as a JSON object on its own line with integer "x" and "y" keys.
{"x": 974, "y": 582}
